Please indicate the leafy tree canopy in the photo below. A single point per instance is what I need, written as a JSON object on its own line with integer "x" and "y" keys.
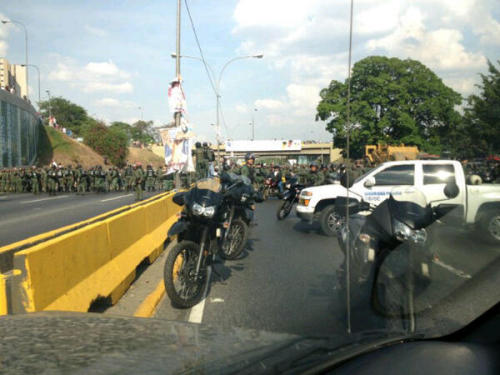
{"x": 67, "y": 114}
{"x": 393, "y": 101}
{"x": 481, "y": 126}
{"x": 110, "y": 142}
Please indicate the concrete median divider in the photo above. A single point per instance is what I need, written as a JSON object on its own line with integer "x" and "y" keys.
{"x": 96, "y": 261}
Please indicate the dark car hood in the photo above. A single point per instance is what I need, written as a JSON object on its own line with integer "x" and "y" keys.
{"x": 65, "y": 342}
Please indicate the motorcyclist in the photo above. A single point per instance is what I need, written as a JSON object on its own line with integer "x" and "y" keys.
{"x": 315, "y": 176}
{"x": 248, "y": 168}
{"x": 277, "y": 178}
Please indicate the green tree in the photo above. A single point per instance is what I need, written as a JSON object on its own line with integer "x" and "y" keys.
{"x": 112, "y": 143}
{"x": 67, "y": 114}
{"x": 122, "y": 127}
{"x": 393, "y": 101}
{"x": 142, "y": 131}
{"x": 481, "y": 127}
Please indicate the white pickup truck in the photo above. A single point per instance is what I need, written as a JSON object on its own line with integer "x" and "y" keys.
{"x": 477, "y": 205}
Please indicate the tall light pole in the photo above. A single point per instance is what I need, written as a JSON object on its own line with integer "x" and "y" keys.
{"x": 26, "y": 51}
{"x": 253, "y": 123}
{"x": 50, "y": 106}
{"x": 217, "y": 88}
{"x": 38, "y": 70}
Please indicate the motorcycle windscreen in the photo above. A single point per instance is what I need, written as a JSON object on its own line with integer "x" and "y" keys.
{"x": 409, "y": 206}
{"x": 206, "y": 193}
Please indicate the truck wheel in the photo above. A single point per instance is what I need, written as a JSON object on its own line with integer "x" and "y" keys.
{"x": 489, "y": 225}
{"x": 329, "y": 221}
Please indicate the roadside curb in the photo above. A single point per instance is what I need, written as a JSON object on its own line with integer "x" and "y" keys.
{"x": 147, "y": 308}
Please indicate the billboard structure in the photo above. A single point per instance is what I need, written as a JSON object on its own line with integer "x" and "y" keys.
{"x": 264, "y": 145}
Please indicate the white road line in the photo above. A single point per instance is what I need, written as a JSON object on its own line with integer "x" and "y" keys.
{"x": 196, "y": 314}
{"x": 121, "y": 196}
{"x": 453, "y": 270}
{"x": 45, "y": 199}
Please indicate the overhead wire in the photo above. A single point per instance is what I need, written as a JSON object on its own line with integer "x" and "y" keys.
{"x": 200, "y": 49}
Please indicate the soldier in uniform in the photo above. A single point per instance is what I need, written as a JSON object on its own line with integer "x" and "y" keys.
{"x": 315, "y": 176}
{"x": 69, "y": 178}
{"x": 129, "y": 178}
{"x": 52, "y": 180}
{"x": 43, "y": 179}
{"x": 150, "y": 178}
{"x": 198, "y": 154}
{"x": 81, "y": 180}
{"x": 114, "y": 180}
{"x": 158, "y": 182}
{"x": 35, "y": 181}
{"x": 138, "y": 180}
{"x": 247, "y": 169}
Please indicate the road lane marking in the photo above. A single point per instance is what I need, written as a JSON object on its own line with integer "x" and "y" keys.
{"x": 453, "y": 270}
{"x": 119, "y": 197}
{"x": 196, "y": 314}
{"x": 216, "y": 300}
{"x": 147, "y": 308}
{"x": 45, "y": 199}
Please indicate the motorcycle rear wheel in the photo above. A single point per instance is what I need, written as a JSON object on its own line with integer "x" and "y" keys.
{"x": 236, "y": 240}
{"x": 284, "y": 210}
{"x": 183, "y": 289}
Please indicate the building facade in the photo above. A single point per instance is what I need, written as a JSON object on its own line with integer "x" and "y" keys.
{"x": 13, "y": 76}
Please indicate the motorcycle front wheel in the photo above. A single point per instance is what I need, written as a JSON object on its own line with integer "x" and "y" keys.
{"x": 181, "y": 284}
{"x": 284, "y": 210}
{"x": 235, "y": 241}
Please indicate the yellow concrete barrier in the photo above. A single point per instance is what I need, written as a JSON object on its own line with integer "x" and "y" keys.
{"x": 99, "y": 260}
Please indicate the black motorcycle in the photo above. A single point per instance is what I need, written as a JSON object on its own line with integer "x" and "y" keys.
{"x": 290, "y": 197}
{"x": 388, "y": 260}
{"x": 215, "y": 220}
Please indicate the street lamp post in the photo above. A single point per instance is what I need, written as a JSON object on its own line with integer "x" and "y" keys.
{"x": 217, "y": 89}
{"x": 26, "y": 50}
{"x": 253, "y": 123}
{"x": 50, "y": 107}
{"x": 38, "y": 70}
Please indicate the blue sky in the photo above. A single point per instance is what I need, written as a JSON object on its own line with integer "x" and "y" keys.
{"x": 113, "y": 56}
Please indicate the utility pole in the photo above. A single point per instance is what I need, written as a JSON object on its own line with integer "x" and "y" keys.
{"x": 178, "y": 76}
{"x": 253, "y": 123}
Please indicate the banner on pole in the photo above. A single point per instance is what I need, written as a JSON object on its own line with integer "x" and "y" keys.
{"x": 177, "y": 144}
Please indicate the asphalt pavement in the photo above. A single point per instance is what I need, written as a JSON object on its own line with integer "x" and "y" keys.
{"x": 286, "y": 279}
{"x": 26, "y": 215}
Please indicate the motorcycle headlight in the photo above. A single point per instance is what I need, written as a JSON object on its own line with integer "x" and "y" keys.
{"x": 402, "y": 231}
{"x": 209, "y": 211}
{"x": 243, "y": 198}
{"x": 198, "y": 209}
{"x": 288, "y": 186}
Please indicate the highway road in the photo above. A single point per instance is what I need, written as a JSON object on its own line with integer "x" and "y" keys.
{"x": 285, "y": 280}
{"x": 25, "y": 215}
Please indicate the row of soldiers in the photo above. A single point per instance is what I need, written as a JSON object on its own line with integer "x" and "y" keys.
{"x": 314, "y": 174}
{"x": 58, "y": 178}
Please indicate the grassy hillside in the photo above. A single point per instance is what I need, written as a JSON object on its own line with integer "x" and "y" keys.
{"x": 54, "y": 145}
{"x": 144, "y": 156}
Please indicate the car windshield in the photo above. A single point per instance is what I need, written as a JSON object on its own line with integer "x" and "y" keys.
{"x": 196, "y": 173}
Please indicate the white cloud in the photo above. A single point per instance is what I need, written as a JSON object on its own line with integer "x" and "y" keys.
{"x": 115, "y": 103}
{"x": 440, "y": 49}
{"x": 4, "y": 34}
{"x": 271, "y": 104}
{"x": 96, "y": 31}
{"x": 92, "y": 77}
{"x": 241, "y": 108}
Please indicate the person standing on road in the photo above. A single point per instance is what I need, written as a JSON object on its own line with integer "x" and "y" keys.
{"x": 81, "y": 180}
{"x": 35, "y": 181}
{"x": 52, "y": 180}
{"x": 198, "y": 154}
{"x": 114, "y": 180}
{"x": 138, "y": 180}
{"x": 43, "y": 179}
{"x": 150, "y": 178}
